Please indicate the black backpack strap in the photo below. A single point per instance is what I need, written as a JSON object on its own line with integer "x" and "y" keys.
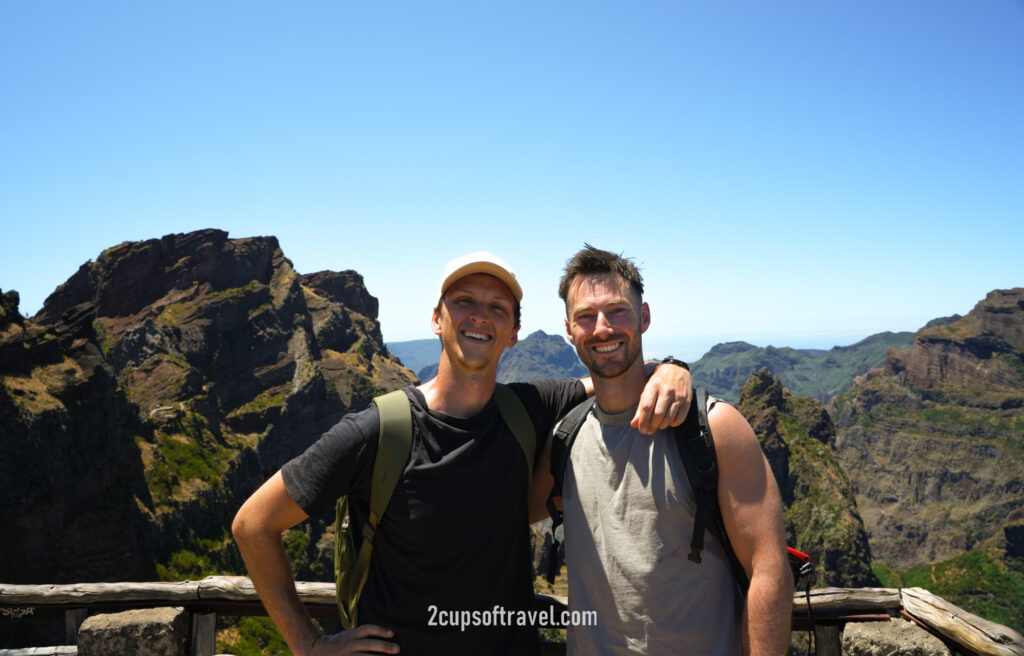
{"x": 697, "y": 451}
{"x": 561, "y": 445}
{"x": 517, "y": 418}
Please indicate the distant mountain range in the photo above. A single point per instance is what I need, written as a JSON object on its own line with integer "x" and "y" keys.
{"x": 417, "y": 353}
{"x": 722, "y": 370}
{"x": 821, "y": 374}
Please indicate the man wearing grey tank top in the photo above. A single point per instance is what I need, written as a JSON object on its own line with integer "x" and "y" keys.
{"x": 628, "y": 506}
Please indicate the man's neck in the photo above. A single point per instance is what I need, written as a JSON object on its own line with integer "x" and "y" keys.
{"x": 458, "y": 393}
{"x": 623, "y": 392}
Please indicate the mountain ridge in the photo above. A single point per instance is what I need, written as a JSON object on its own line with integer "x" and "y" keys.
{"x": 807, "y": 372}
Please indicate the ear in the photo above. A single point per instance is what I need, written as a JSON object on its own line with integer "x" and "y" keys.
{"x": 645, "y": 318}
{"x": 514, "y": 339}
{"x": 568, "y": 332}
{"x": 435, "y": 321}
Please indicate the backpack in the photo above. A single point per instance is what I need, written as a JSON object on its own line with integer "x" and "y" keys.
{"x": 354, "y": 544}
{"x": 697, "y": 451}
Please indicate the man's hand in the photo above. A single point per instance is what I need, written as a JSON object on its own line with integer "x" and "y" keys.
{"x": 665, "y": 399}
{"x": 364, "y": 639}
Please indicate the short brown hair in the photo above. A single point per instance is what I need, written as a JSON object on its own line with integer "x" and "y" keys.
{"x": 589, "y": 261}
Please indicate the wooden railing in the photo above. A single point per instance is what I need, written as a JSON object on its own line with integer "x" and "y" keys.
{"x": 823, "y": 610}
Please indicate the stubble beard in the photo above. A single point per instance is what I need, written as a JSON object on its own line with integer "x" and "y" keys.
{"x": 610, "y": 369}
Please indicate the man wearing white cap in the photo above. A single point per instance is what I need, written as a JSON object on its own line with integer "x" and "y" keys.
{"x": 454, "y": 538}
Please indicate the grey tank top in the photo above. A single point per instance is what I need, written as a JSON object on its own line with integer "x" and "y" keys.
{"x": 628, "y": 521}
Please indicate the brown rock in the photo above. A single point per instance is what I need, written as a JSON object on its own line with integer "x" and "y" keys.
{"x": 145, "y": 632}
{"x": 896, "y": 636}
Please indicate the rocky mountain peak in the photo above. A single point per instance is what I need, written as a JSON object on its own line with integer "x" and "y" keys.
{"x": 764, "y": 389}
{"x": 131, "y": 276}
{"x": 982, "y": 351}
{"x": 345, "y": 287}
{"x": 192, "y": 365}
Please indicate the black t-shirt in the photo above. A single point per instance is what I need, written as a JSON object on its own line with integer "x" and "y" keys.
{"x": 454, "y": 537}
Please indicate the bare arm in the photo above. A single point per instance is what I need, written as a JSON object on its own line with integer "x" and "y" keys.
{"x": 257, "y": 529}
{"x": 752, "y": 513}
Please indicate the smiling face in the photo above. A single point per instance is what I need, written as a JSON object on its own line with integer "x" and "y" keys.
{"x": 604, "y": 321}
{"x": 476, "y": 322}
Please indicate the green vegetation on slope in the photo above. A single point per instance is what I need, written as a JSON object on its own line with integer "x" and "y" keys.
{"x": 974, "y": 581}
{"x": 819, "y": 374}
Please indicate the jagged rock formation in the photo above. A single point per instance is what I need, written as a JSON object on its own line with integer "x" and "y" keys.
{"x": 158, "y": 387}
{"x": 934, "y": 441}
{"x": 821, "y": 513}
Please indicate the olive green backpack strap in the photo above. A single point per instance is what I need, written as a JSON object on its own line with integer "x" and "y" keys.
{"x": 514, "y": 413}
{"x": 394, "y": 444}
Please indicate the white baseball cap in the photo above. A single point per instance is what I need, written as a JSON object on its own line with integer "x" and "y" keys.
{"x": 480, "y": 262}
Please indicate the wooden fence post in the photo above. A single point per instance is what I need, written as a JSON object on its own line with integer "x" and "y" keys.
{"x": 826, "y": 639}
{"x": 72, "y": 621}
{"x": 204, "y": 634}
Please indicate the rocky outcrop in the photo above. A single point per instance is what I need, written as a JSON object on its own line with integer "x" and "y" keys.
{"x": 143, "y": 632}
{"x": 821, "y": 512}
{"x": 158, "y": 387}
{"x": 980, "y": 352}
{"x": 934, "y": 441}
{"x": 897, "y": 636}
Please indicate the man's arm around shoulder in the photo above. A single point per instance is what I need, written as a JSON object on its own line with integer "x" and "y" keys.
{"x": 257, "y": 529}
{"x": 752, "y": 512}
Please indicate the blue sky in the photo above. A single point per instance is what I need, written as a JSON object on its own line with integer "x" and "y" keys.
{"x": 787, "y": 173}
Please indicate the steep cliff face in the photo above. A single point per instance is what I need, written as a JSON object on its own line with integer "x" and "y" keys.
{"x": 173, "y": 376}
{"x": 70, "y": 471}
{"x": 821, "y": 512}
{"x": 934, "y": 441}
{"x": 978, "y": 353}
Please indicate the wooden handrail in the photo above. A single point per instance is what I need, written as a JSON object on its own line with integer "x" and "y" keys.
{"x": 976, "y": 633}
{"x": 240, "y": 588}
{"x": 235, "y": 595}
{"x": 224, "y": 588}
